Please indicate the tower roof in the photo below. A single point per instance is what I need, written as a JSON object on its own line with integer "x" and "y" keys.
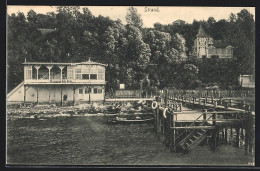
{"x": 202, "y": 32}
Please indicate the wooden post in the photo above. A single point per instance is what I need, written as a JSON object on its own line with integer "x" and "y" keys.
{"x": 231, "y": 132}
{"x": 205, "y": 115}
{"x": 215, "y": 105}
{"x": 213, "y": 140}
{"x": 74, "y": 88}
{"x": 158, "y": 118}
{"x": 243, "y": 104}
{"x": 49, "y": 68}
{"x": 217, "y": 138}
{"x": 162, "y": 125}
{"x": 237, "y": 137}
{"x": 223, "y": 136}
{"x": 226, "y": 136}
{"x": 61, "y": 96}
{"x": 24, "y": 95}
{"x": 166, "y": 97}
{"x": 49, "y": 95}
{"x": 174, "y": 133}
{"x": 242, "y": 134}
{"x": 155, "y": 121}
{"x": 164, "y": 129}
{"x": 214, "y": 117}
{"x": 167, "y": 129}
{"x": 37, "y": 90}
{"x": 246, "y": 141}
{"x": 250, "y": 131}
{"x": 247, "y": 130}
{"x": 37, "y": 67}
{"x": 170, "y": 131}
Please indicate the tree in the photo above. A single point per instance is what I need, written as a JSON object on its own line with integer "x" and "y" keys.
{"x": 142, "y": 58}
{"x": 133, "y": 18}
{"x": 138, "y": 56}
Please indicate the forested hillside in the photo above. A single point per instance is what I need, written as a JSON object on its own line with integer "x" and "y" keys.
{"x": 142, "y": 58}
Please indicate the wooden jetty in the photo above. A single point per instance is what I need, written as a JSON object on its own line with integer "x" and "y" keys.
{"x": 183, "y": 123}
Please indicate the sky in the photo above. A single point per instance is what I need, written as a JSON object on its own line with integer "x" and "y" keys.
{"x": 163, "y": 15}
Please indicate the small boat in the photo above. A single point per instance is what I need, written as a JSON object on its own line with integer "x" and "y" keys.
{"x": 112, "y": 110}
{"x": 136, "y": 120}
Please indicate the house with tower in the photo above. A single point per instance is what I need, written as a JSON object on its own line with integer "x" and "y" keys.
{"x": 206, "y": 47}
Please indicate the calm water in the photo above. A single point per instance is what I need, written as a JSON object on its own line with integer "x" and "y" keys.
{"x": 88, "y": 141}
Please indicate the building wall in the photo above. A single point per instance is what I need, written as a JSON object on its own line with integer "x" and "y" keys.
{"x": 89, "y": 75}
{"x": 246, "y": 81}
{"x": 204, "y": 46}
{"x": 53, "y": 93}
{"x": 16, "y": 95}
{"x": 221, "y": 52}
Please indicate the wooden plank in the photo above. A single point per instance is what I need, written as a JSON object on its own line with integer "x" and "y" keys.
{"x": 195, "y": 127}
{"x": 221, "y": 120}
{"x": 221, "y": 107}
{"x": 226, "y": 112}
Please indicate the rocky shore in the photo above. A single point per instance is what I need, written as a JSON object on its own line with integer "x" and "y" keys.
{"x": 94, "y": 109}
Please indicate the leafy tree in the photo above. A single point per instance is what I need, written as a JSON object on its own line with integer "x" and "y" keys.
{"x": 142, "y": 58}
{"x": 133, "y": 18}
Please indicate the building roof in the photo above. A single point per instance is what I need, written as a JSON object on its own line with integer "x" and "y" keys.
{"x": 61, "y": 63}
{"x": 201, "y": 32}
{"x": 179, "y": 22}
{"x": 219, "y": 44}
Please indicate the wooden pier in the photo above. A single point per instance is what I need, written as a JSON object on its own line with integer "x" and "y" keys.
{"x": 183, "y": 123}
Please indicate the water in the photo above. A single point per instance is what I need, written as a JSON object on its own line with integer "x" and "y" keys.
{"x": 88, "y": 141}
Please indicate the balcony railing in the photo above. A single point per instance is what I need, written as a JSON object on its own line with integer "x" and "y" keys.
{"x": 69, "y": 81}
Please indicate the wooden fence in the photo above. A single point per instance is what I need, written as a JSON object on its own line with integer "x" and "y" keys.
{"x": 215, "y": 93}
{"x": 128, "y": 94}
{"x": 188, "y": 93}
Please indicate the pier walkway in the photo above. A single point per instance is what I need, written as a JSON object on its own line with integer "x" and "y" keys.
{"x": 183, "y": 123}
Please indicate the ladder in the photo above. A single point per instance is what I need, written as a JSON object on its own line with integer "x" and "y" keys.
{"x": 194, "y": 138}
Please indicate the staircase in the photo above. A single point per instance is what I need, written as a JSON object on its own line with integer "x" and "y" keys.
{"x": 194, "y": 138}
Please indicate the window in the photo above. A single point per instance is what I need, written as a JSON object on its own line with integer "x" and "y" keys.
{"x": 78, "y": 70}
{"x": 93, "y": 76}
{"x": 99, "y": 91}
{"x": 95, "y": 90}
{"x": 87, "y": 90}
{"x": 100, "y": 74}
{"x": 70, "y": 74}
{"x": 78, "y": 76}
{"x": 80, "y": 91}
{"x": 29, "y": 74}
{"x": 85, "y": 76}
{"x": 229, "y": 51}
